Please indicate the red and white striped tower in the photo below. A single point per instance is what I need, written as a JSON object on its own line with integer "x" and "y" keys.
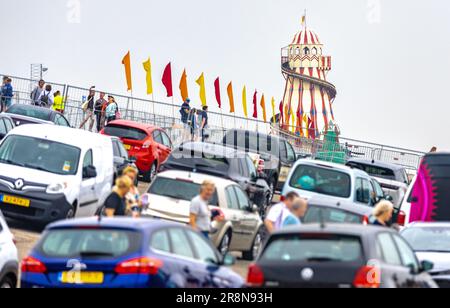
{"x": 308, "y": 95}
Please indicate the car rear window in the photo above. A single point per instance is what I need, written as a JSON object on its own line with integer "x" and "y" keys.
{"x": 125, "y": 132}
{"x": 184, "y": 190}
{"x": 375, "y": 171}
{"x": 318, "y": 214}
{"x": 322, "y": 181}
{"x": 32, "y": 112}
{"x": 198, "y": 161}
{"x": 89, "y": 243}
{"x": 313, "y": 248}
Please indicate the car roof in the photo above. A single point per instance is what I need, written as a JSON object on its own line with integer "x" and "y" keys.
{"x": 32, "y": 107}
{"x": 376, "y": 163}
{"x": 75, "y": 137}
{"x": 212, "y": 148}
{"x": 134, "y": 124}
{"x": 359, "y": 209}
{"x": 254, "y": 132}
{"x": 334, "y": 228}
{"x": 5, "y": 115}
{"x": 118, "y": 222}
{"x": 325, "y": 164}
{"x": 197, "y": 178}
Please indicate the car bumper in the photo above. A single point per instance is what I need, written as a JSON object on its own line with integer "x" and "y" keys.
{"x": 44, "y": 208}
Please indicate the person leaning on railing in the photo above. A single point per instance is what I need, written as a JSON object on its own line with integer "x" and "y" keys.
{"x": 6, "y": 93}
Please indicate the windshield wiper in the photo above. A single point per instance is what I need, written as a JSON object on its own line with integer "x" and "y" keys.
{"x": 36, "y": 167}
{"x": 95, "y": 254}
{"x": 11, "y": 162}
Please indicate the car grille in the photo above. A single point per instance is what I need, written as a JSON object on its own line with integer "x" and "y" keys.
{"x": 18, "y": 210}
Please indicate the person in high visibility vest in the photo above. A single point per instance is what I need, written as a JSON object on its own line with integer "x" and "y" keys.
{"x": 58, "y": 102}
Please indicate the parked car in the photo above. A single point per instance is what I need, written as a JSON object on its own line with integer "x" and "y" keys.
{"x": 277, "y": 153}
{"x": 125, "y": 253}
{"x": 121, "y": 159}
{"x": 428, "y": 199}
{"x": 150, "y": 145}
{"x": 48, "y": 174}
{"x": 240, "y": 230}
{"x": 338, "y": 256}
{"x": 431, "y": 241}
{"x": 9, "y": 262}
{"x": 220, "y": 161}
{"x": 6, "y": 125}
{"x": 316, "y": 178}
{"x": 29, "y": 114}
{"x": 324, "y": 210}
{"x": 393, "y": 178}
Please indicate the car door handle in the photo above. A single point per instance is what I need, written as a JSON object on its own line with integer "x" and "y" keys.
{"x": 187, "y": 270}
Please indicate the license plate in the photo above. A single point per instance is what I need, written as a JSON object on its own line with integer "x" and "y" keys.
{"x": 82, "y": 277}
{"x": 284, "y": 173}
{"x": 15, "y": 200}
{"x": 127, "y": 147}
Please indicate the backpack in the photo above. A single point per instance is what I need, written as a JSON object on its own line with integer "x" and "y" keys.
{"x": 118, "y": 114}
{"x": 45, "y": 98}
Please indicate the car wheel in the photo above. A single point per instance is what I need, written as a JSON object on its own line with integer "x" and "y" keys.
{"x": 225, "y": 244}
{"x": 7, "y": 283}
{"x": 70, "y": 213}
{"x": 251, "y": 254}
{"x": 151, "y": 174}
{"x": 272, "y": 187}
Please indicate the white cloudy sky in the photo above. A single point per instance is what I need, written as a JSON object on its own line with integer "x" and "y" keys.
{"x": 391, "y": 69}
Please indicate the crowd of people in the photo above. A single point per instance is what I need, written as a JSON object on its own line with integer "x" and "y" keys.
{"x": 195, "y": 121}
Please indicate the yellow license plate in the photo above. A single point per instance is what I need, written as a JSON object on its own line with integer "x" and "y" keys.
{"x": 284, "y": 173}
{"x": 127, "y": 147}
{"x": 15, "y": 201}
{"x": 82, "y": 277}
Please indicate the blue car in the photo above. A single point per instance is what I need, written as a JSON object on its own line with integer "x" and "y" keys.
{"x": 125, "y": 253}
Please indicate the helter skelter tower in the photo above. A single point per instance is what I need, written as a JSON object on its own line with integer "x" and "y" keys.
{"x": 308, "y": 98}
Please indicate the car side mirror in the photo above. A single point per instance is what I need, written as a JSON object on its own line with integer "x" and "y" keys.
{"x": 388, "y": 198}
{"x": 132, "y": 160}
{"x": 118, "y": 160}
{"x": 229, "y": 260}
{"x": 426, "y": 266}
{"x": 89, "y": 172}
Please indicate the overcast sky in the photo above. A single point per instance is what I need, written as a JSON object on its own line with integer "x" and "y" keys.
{"x": 391, "y": 59}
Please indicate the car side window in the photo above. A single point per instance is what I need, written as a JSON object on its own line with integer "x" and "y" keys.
{"x": 157, "y": 137}
{"x": 203, "y": 250}
{"x": 166, "y": 140}
{"x": 290, "y": 153}
{"x": 367, "y": 191}
{"x": 243, "y": 201}
{"x": 59, "y": 120}
{"x": 122, "y": 151}
{"x": 362, "y": 191}
{"x": 388, "y": 249}
{"x": 160, "y": 241}
{"x": 406, "y": 253}
{"x": 3, "y": 130}
{"x": 232, "y": 200}
{"x": 9, "y": 125}
{"x": 251, "y": 168}
{"x": 180, "y": 243}
{"x": 116, "y": 151}
{"x": 88, "y": 159}
{"x": 243, "y": 168}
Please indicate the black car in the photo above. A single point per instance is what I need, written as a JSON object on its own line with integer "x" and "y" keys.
{"x": 6, "y": 125}
{"x": 217, "y": 160}
{"x": 339, "y": 256}
{"x": 28, "y": 114}
{"x": 277, "y": 153}
{"x": 121, "y": 158}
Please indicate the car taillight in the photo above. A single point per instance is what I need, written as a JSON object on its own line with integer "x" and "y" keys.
{"x": 261, "y": 165}
{"x": 365, "y": 220}
{"x": 143, "y": 265}
{"x": 255, "y": 277}
{"x": 147, "y": 145}
{"x": 33, "y": 265}
{"x": 401, "y": 218}
{"x": 368, "y": 277}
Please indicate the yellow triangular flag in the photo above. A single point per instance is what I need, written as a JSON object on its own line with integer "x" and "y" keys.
{"x": 244, "y": 101}
{"x": 148, "y": 69}
{"x": 201, "y": 82}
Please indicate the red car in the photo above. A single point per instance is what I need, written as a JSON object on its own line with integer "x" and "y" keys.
{"x": 149, "y": 145}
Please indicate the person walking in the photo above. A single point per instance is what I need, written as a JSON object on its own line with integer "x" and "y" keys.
{"x": 88, "y": 109}
{"x": 133, "y": 197}
{"x": 184, "y": 112}
{"x": 278, "y": 213}
{"x": 58, "y": 102}
{"x": 46, "y": 98}
{"x": 298, "y": 211}
{"x": 98, "y": 111}
{"x": 200, "y": 214}
{"x": 115, "y": 204}
{"x": 204, "y": 123}
{"x": 382, "y": 214}
{"x": 111, "y": 110}
{"x": 7, "y": 93}
{"x": 36, "y": 93}
{"x": 192, "y": 121}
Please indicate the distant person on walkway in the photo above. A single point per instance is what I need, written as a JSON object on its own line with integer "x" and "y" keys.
{"x": 88, "y": 109}
{"x": 115, "y": 204}
{"x": 298, "y": 211}
{"x": 192, "y": 121}
{"x": 98, "y": 111}
{"x": 204, "y": 124}
{"x": 200, "y": 214}
{"x": 36, "y": 93}
{"x": 6, "y": 93}
{"x": 184, "y": 112}
{"x": 382, "y": 214}
{"x": 279, "y": 212}
{"x": 46, "y": 98}
{"x": 111, "y": 109}
{"x": 433, "y": 150}
{"x": 58, "y": 102}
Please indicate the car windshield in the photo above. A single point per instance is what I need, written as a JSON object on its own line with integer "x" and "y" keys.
{"x": 32, "y": 112}
{"x": 125, "y": 132}
{"x": 318, "y": 214}
{"x": 428, "y": 239}
{"x": 40, "y": 154}
{"x": 185, "y": 190}
{"x": 375, "y": 171}
{"x": 313, "y": 248}
{"x": 89, "y": 243}
{"x": 322, "y": 181}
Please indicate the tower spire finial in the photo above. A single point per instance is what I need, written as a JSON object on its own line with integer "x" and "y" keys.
{"x": 304, "y": 20}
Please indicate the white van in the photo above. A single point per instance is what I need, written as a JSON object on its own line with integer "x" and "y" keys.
{"x": 49, "y": 173}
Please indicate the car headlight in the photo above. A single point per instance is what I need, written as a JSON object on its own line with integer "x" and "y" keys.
{"x": 56, "y": 188}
